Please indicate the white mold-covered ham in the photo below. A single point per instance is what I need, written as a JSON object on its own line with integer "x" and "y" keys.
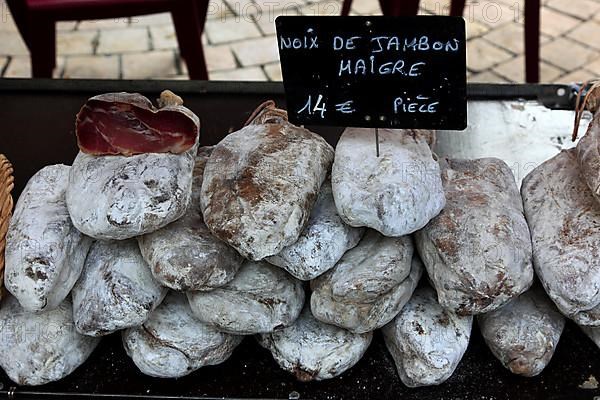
{"x": 44, "y": 252}
{"x": 372, "y": 268}
{"x": 43, "y": 347}
{"x": 116, "y": 289}
{"x": 172, "y": 343}
{"x": 426, "y": 341}
{"x": 128, "y": 123}
{"x": 260, "y": 299}
{"x": 395, "y": 193}
{"x": 369, "y": 285}
{"x": 133, "y": 174}
{"x": 524, "y": 333}
{"x": 563, "y": 217}
{"x": 588, "y": 155}
{"x": 119, "y": 197}
{"x": 313, "y": 350}
{"x": 477, "y": 251}
{"x": 185, "y": 255}
{"x": 261, "y": 182}
{"x": 321, "y": 244}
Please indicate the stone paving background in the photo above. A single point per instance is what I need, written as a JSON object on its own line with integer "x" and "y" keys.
{"x": 240, "y": 41}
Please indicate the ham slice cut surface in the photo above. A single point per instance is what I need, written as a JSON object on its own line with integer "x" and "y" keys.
{"x": 128, "y": 123}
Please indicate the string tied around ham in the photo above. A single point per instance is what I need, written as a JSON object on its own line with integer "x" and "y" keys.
{"x": 267, "y": 113}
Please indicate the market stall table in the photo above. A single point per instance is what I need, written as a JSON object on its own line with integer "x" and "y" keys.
{"x": 38, "y": 129}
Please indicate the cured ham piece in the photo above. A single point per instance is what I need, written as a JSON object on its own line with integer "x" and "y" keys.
{"x": 426, "y": 341}
{"x": 313, "y": 350}
{"x": 128, "y": 123}
{"x": 184, "y": 255}
{"x": 524, "y": 333}
{"x": 172, "y": 343}
{"x": 45, "y": 253}
{"x": 116, "y": 289}
{"x": 396, "y": 192}
{"x": 261, "y": 183}
{"x": 563, "y": 216}
{"x": 369, "y": 285}
{"x": 321, "y": 244}
{"x": 260, "y": 299}
{"x": 477, "y": 251}
{"x": 40, "y": 347}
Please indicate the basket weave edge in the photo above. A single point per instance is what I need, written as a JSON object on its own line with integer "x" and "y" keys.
{"x": 6, "y": 206}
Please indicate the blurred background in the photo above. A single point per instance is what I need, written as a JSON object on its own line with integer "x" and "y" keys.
{"x": 239, "y": 42}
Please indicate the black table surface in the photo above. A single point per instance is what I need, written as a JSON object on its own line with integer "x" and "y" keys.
{"x": 37, "y": 123}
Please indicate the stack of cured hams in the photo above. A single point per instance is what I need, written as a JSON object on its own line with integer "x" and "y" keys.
{"x": 185, "y": 249}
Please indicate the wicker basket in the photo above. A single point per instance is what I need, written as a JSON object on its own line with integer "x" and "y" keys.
{"x": 6, "y": 204}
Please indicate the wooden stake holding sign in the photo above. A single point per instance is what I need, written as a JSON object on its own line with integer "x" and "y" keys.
{"x": 374, "y": 72}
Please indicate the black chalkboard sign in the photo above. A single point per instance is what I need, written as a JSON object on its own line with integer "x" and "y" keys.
{"x": 374, "y": 72}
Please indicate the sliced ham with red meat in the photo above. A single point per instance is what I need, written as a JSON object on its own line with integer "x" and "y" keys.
{"x": 128, "y": 123}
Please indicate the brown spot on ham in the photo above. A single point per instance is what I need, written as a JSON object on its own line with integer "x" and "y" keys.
{"x": 447, "y": 246}
{"x": 128, "y": 123}
{"x": 302, "y": 375}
